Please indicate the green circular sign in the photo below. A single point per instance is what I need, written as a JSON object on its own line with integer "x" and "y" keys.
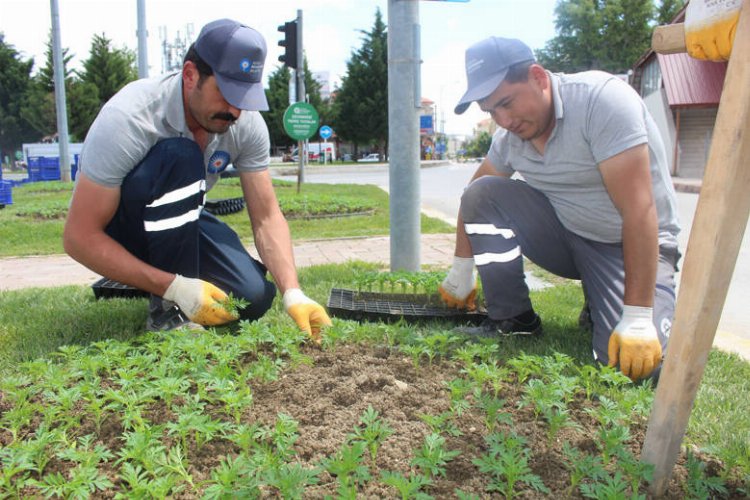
{"x": 300, "y": 121}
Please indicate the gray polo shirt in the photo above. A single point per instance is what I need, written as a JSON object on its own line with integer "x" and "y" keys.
{"x": 597, "y": 116}
{"x": 149, "y": 110}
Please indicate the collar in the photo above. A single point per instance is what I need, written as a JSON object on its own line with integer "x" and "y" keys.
{"x": 556, "y": 100}
{"x": 175, "y": 112}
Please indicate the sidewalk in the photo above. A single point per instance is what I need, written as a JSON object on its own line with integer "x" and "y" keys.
{"x": 58, "y": 270}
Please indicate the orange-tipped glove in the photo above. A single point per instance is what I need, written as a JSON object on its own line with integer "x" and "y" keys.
{"x": 634, "y": 343}
{"x": 459, "y": 288}
{"x": 710, "y": 26}
{"x": 202, "y": 302}
{"x": 308, "y": 314}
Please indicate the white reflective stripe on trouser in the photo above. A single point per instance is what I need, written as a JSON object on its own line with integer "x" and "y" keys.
{"x": 179, "y": 194}
{"x": 172, "y": 222}
{"x": 489, "y": 258}
{"x": 489, "y": 229}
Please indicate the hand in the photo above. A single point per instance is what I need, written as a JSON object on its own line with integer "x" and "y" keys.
{"x": 710, "y": 28}
{"x": 459, "y": 288}
{"x": 308, "y": 314}
{"x": 202, "y": 302}
{"x": 635, "y": 343}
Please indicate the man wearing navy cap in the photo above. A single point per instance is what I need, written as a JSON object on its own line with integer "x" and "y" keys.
{"x": 150, "y": 156}
{"x": 592, "y": 200}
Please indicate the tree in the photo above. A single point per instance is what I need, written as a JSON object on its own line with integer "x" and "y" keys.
{"x": 107, "y": 68}
{"x": 667, "y": 10}
{"x": 608, "y": 35}
{"x": 278, "y": 102}
{"x": 361, "y": 107}
{"x": 15, "y": 79}
{"x": 478, "y": 145}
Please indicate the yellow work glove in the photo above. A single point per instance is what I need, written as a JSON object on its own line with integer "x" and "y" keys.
{"x": 202, "y": 302}
{"x": 634, "y": 343}
{"x": 308, "y": 314}
{"x": 459, "y": 288}
{"x": 709, "y": 28}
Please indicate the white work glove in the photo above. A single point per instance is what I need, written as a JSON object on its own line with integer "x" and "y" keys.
{"x": 710, "y": 26}
{"x": 634, "y": 343}
{"x": 202, "y": 302}
{"x": 459, "y": 288}
{"x": 308, "y": 314}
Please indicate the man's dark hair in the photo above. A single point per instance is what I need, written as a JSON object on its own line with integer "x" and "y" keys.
{"x": 518, "y": 72}
{"x": 204, "y": 70}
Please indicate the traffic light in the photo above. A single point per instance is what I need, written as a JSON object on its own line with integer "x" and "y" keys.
{"x": 289, "y": 58}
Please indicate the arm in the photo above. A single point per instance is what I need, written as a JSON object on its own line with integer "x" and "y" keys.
{"x": 270, "y": 229}
{"x": 84, "y": 239}
{"x": 627, "y": 178}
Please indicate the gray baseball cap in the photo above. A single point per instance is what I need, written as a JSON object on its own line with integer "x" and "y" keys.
{"x": 236, "y": 54}
{"x": 487, "y": 63}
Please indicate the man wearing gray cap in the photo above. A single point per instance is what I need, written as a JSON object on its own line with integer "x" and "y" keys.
{"x": 592, "y": 200}
{"x": 150, "y": 156}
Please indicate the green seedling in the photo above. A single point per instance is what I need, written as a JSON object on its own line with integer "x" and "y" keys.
{"x": 610, "y": 488}
{"x": 415, "y": 352}
{"x": 233, "y": 478}
{"x": 432, "y": 457}
{"x": 557, "y": 419}
{"x": 347, "y": 467}
{"x": 372, "y": 431}
{"x": 234, "y": 305}
{"x": 143, "y": 448}
{"x": 491, "y": 406}
{"x": 81, "y": 482}
{"x": 525, "y": 365}
{"x": 442, "y": 423}
{"x": 138, "y": 483}
{"x": 611, "y": 442}
{"x": 698, "y": 485}
{"x": 407, "y": 486}
{"x": 581, "y": 466}
{"x": 507, "y": 461}
{"x": 291, "y": 479}
{"x": 86, "y": 453}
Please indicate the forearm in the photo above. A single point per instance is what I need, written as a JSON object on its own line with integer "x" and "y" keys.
{"x": 640, "y": 244}
{"x": 107, "y": 257}
{"x": 274, "y": 244}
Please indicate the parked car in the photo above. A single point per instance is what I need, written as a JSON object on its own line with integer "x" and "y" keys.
{"x": 371, "y": 158}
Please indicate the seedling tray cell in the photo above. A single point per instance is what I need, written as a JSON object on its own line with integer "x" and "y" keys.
{"x": 388, "y": 307}
{"x": 110, "y": 289}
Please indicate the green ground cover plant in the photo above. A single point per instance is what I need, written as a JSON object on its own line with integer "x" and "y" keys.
{"x": 33, "y": 224}
{"x": 92, "y": 406}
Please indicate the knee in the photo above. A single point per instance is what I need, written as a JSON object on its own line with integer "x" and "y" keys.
{"x": 260, "y": 299}
{"x": 480, "y": 194}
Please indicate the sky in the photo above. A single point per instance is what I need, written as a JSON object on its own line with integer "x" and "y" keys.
{"x": 331, "y": 32}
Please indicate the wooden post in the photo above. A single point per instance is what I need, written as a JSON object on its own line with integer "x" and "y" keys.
{"x": 715, "y": 239}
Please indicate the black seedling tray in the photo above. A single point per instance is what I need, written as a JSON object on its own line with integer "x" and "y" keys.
{"x": 110, "y": 289}
{"x": 225, "y": 206}
{"x": 387, "y": 307}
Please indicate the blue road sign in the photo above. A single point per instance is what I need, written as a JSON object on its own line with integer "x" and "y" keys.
{"x": 325, "y": 132}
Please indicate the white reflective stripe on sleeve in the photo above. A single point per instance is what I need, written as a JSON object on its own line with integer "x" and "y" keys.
{"x": 489, "y": 229}
{"x": 489, "y": 258}
{"x": 172, "y": 222}
{"x": 179, "y": 194}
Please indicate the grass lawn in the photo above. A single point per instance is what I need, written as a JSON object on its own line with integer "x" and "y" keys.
{"x": 33, "y": 224}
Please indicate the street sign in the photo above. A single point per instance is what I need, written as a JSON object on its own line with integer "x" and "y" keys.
{"x": 300, "y": 121}
{"x": 325, "y": 132}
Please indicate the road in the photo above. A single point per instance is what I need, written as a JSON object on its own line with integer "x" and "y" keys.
{"x": 441, "y": 188}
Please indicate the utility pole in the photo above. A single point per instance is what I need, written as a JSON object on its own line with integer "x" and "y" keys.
{"x": 60, "y": 107}
{"x": 293, "y": 58}
{"x": 404, "y": 100}
{"x": 142, "y": 40}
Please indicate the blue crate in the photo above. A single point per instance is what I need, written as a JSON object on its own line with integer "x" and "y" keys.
{"x": 43, "y": 168}
{"x": 6, "y": 193}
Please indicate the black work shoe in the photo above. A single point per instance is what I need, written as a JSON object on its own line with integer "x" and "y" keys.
{"x": 164, "y": 315}
{"x": 512, "y": 327}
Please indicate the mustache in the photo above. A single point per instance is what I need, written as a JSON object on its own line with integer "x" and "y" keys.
{"x": 227, "y": 117}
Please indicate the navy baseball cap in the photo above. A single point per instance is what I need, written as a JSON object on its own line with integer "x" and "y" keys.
{"x": 487, "y": 64}
{"x": 236, "y": 54}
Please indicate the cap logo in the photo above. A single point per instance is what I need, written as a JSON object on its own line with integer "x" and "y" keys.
{"x": 474, "y": 65}
{"x": 246, "y": 65}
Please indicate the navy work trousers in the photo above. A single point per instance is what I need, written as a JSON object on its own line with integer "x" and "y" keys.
{"x": 161, "y": 221}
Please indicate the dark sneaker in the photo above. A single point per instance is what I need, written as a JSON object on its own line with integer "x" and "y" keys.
{"x": 584, "y": 319}
{"x": 164, "y": 315}
{"x": 491, "y": 328}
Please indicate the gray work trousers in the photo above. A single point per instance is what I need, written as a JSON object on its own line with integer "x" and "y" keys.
{"x": 505, "y": 219}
